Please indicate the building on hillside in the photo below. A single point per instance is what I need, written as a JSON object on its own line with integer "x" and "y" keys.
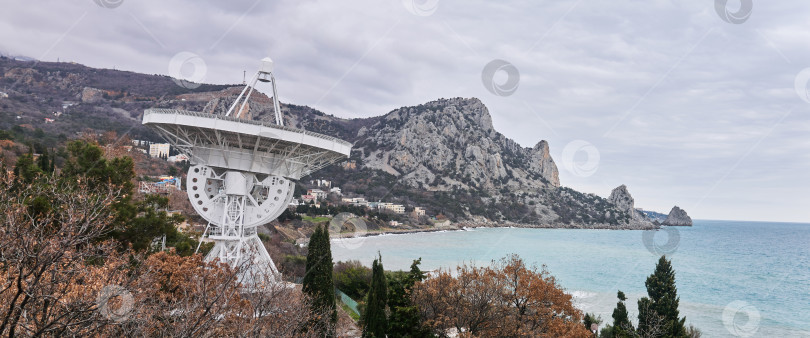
{"x": 356, "y": 201}
{"x": 396, "y": 208}
{"x": 393, "y": 223}
{"x": 3, "y": 95}
{"x": 337, "y": 191}
{"x": 294, "y": 202}
{"x": 318, "y": 193}
{"x": 321, "y": 183}
{"x": 417, "y": 211}
{"x": 163, "y": 186}
{"x": 308, "y": 199}
{"x": 159, "y": 149}
{"x": 48, "y": 120}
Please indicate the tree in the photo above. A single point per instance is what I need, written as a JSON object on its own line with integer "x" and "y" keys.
{"x": 621, "y": 324}
{"x": 375, "y": 319}
{"x": 26, "y": 169}
{"x": 60, "y": 275}
{"x": 318, "y": 283}
{"x": 508, "y": 299}
{"x": 137, "y": 221}
{"x": 658, "y": 314}
{"x": 591, "y": 319}
{"x": 404, "y": 320}
{"x": 352, "y": 278}
{"x": 45, "y": 281}
{"x": 44, "y": 162}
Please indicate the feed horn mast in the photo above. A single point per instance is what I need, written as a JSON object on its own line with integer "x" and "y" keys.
{"x": 242, "y": 172}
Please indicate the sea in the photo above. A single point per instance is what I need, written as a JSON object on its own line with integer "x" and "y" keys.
{"x": 744, "y": 279}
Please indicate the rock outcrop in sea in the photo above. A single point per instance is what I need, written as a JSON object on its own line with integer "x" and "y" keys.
{"x": 678, "y": 217}
{"x": 621, "y": 198}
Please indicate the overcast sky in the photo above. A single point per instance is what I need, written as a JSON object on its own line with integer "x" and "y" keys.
{"x": 693, "y": 103}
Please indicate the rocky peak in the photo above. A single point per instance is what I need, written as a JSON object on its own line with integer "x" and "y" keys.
{"x": 450, "y": 143}
{"x": 542, "y": 162}
{"x": 621, "y": 197}
{"x": 678, "y": 217}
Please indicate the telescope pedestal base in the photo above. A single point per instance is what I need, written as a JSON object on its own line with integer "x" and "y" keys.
{"x": 248, "y": 256}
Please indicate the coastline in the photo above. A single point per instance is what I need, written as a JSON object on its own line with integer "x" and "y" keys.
{"x": 461, "y": 226}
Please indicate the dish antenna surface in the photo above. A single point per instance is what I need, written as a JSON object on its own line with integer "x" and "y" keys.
{"x": 242, "y": 173}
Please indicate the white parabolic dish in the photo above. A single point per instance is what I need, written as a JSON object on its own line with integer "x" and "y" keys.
{"x": 250, "y": 146}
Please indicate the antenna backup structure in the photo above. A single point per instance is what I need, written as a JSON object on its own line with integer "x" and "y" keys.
{"x": 242, "y": 172}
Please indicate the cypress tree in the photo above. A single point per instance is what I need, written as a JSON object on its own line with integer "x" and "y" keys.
{"x": 662, "y": 304}
{"x": 621, "y": 324}
{"x": 318, "y": 282}
{"x": 45, "y": 162}
{"x": 26, "y": 170}
{"x": 404, "y": 320}
{"x": 375, "y": 321}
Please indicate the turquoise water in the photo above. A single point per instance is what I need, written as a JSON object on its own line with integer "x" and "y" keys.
{"x": 734, "y": 278}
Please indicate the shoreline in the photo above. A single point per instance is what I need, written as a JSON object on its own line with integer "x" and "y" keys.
{"x": 470, "y": 225}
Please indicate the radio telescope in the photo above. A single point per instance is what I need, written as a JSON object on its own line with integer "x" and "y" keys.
{"x": 242, "y": 173}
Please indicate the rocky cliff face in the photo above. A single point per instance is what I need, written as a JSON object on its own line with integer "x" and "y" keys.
{"x": 622, "y": 199}
{"x": 678, "y": 217}
{"x": 450, "y": 144}
{"x": 446, "y": 156}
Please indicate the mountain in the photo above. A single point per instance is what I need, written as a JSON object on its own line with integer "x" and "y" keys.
{"x": 443, "y": 155}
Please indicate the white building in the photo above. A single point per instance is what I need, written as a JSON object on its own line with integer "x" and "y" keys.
{"x": 336, "y": 190}
{"x": 158, "y": 149}
{"x": 318, "y": 193}
{"x": 417, "y": 211}
{"x": 397, "y": 208}
{"x": 356, "y": 201}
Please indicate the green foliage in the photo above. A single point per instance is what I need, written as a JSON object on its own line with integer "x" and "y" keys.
{"x": 375, "y": 320}
{"x": 621, "y": 324}
{"x": 353, "y": 279}
{"x": 136, "y": 223}
{"x": 25, "y": 169}
{"x": 6, "y": 135}
{"x": 659, "y": 312}
{"x": 45, "y": 162}
{"x": 318, "y": 282}
{"x": 591, "y": 318}
{"x": 87, "y": 161}
{"x": 405, "y": 320}
{"x": 606, "y": 332}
